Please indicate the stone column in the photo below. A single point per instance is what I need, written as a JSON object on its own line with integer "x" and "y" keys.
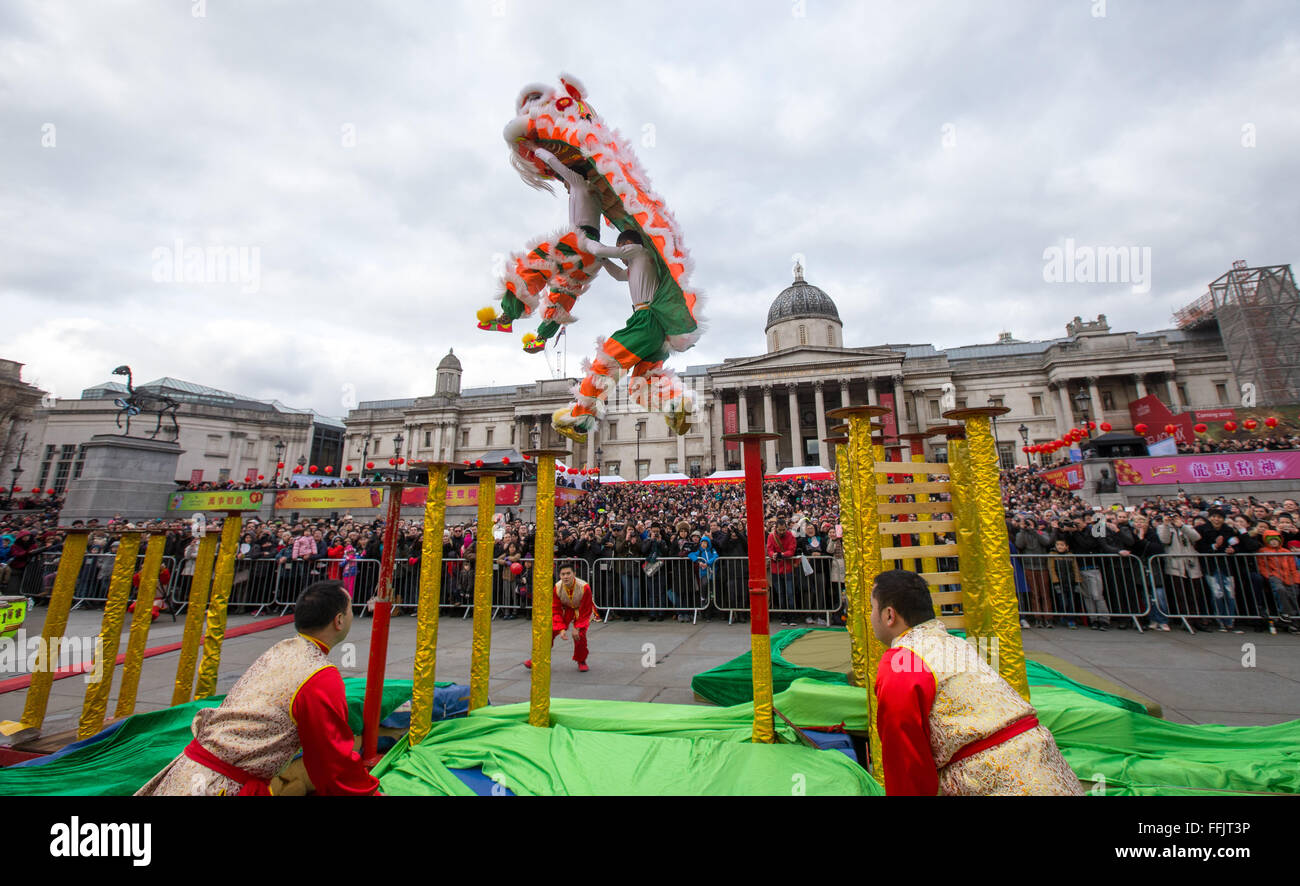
{"x": 900, "y": 414}
{"x": 717, "y": 427}
{"x": 437, "y": 442}
{"x": 1065, "y": 418}
{"x": 844, "y": 392}
{"x": 681, "y": 453}
{"x": 1098, "y": 414}
{"x": 1141, "y": 385}
{"x": 796, "y": 432}
{"x": 769, "y": 425}
{"x": 1172, "y": 387}
{"x": 872, "y": 399}
{"x": 591, "y": 445}
{"x": 819, "y": 406}
{"x": 744, "y": 420}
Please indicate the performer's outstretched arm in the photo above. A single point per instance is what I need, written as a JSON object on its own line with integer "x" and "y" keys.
{"x": 596, "y": 248}
{"x": 573, "y": 179}
{"x": 615, "y": 270}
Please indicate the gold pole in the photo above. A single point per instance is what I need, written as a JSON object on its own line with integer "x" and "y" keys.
{"x": 862, "y": 455}
{"x": 95, "y": 706}
{"x": 140, "y": 623}
{"x": 56, "y": 622}
{"x": 426, "y": 628}
{"x": 969, "y": 559}
{"x": 1001, "y": 610}
{"x": 539, "y": 698}
{"x": 221, "y": 583}
{"x": 196, "y": 612}
{"x": 480, "y": 670}
{"x": 855, "y": 610}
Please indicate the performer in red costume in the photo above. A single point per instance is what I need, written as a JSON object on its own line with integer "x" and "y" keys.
{"x": 291, "y": 697}
{"x": 949, "y": 724}
{"x": 571, "y": 609}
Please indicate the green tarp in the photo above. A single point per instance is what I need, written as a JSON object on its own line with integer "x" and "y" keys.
{"x": 137, "y": 750}
{"x": 1112, "y": 744}
{"x": 621, "y": 748}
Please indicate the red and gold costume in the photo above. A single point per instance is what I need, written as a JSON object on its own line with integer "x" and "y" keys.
{"x": 573, "y": 609}
{"x": 291, "y": 697}
{"x": 949, "y": 724}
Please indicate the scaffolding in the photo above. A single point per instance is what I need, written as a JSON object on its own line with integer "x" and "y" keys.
{"x": 1258, "y": 313}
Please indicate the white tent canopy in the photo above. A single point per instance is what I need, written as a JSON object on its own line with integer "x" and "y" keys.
{"x": 664, "y": 478}
{"x": 726, "y": 475}
{"x": 806, "y": 469}
{"x": 611, "y": 478}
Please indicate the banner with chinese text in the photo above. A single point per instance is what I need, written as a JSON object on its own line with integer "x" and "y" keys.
{"x": 332, "y": 498}
{"x": 465, "y": 495}
{"x": 216, "y": 500}
{"x": 1221, "y": 467}
{"x": 1070, "y": 477}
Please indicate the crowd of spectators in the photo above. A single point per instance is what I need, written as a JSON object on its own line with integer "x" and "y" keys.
{"x": 1272, "y": 443}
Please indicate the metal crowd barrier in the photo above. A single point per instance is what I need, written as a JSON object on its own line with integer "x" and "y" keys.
{"x": 92, "y": 580}
{"x": 1095, "y": 587}
{"x": 1218, "y": 590}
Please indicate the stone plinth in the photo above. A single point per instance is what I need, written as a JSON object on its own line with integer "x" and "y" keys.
{"x": 131, "y": 476}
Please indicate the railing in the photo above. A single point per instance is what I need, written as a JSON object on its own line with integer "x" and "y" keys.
{"x": 1096, "y": 587}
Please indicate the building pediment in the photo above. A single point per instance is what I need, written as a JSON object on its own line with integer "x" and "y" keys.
{"x": 809, "y": 360}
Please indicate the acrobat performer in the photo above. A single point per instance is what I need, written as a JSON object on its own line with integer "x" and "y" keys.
{"x": 661, "y": 322}
{"x": 562, "y": 270}
{"x": 572, "y": 609}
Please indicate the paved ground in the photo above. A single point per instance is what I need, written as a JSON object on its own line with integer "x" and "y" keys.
{"x": 1250, "y": 679}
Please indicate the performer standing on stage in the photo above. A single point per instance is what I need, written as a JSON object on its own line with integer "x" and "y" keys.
{"x": 291, "y": 697}
{"x": 571, "y": 610}
{"x": 949, "y": 724}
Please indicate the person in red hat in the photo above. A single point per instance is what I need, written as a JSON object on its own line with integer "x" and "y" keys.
{"x": 572, "y": 609}
{"x": 1277, "y": 564}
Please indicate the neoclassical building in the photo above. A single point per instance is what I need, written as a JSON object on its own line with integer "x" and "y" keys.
{"x": 805, "y": 370}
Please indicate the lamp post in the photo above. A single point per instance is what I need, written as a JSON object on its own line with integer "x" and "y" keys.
{"x": 997, "y": 449}
{"x": 640, "y": 427}
{"x": 600, "y": 461}
{"x": 397, "y": 453}
{"x": 1024, "y": 440}
{"x": 17, "y": 469}
{"x": 279, "y": 458}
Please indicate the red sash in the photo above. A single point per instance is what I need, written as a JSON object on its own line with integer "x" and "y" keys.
{"x": 1006, "y": 732}
{"x": 250, "y": 785}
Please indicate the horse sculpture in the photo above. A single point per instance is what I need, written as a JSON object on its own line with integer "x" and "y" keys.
{"x": 138, "y": 401}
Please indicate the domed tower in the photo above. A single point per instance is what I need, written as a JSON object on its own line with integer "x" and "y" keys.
{"x": 803, "y": 315}
{"x": 448, "y": 375}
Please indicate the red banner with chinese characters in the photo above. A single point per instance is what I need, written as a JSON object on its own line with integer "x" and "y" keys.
{"x": 1221, "y": 467}
{"x": 465, "y": 495}
{"x": 1068, "y": 477}
{"x": 565, "y": 495}
{"x": 888, "y": 419}
{"x": 731, "y": 423}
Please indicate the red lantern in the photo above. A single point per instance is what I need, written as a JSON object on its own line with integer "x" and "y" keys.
{"x": 401, "y": 461}
{"x": 1270, "y": 422}
{"x": 411, "y": 561}
{"x": 392, "y": 462}
{"x": 1092, "y": 426}
{"x": 261, "y": 477}
{"x": 279, "y": 464}
{"x": 312, "y": 469}
{"x": 505, "y": 459}
{"x": 527, "y": 457}
{"x": 49, "y": 492}
{"x": 370, "y": 465}
{"x": 478, "y": 462}
{"x": 1105, "y": 427}
{"x": 1024, "y": 449}
{"x": 1140, "y": 428}
{"x": 1171, "y": 429}
{"x": 1230, "y": 426}
{"x": 348, "y": 468}
{"x": 18, "y": 489}
{"x": 1199, "y": 428}
{"x": 298, "y": 469}
{"x": 329, "y": 469}
{"x": 467, "y": 462}
{"x": 1250, "y": 424}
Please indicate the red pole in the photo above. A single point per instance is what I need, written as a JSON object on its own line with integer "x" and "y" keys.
{"x": 379, "y": 632}
{"x": 757, "y": 539}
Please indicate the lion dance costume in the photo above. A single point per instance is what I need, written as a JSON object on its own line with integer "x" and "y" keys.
{"x": 552, "y": 273}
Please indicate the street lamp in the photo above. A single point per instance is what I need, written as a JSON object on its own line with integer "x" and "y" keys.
{"x": 17, "y": 469}
{"x": 279, "y": 457}
{"x": 600, "y": 461}
{"x": 640, "y": 427}
{"x": 397, "y": 451}
{"x": 993, "y": 402}
{"x": 1024, "y": 440}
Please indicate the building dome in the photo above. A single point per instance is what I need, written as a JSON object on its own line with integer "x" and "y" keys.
{"x": 451, "y": 361}
{"x": 801, "y": 300}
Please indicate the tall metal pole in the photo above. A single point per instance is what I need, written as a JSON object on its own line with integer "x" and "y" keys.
{"x": 760, "y": 640}
{"x": 379, "y": 631}
{"x": 539, "y": 699}
{"x": 426, "y": 630}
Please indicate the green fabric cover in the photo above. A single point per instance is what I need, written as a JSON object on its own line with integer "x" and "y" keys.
{"x": 621, "y": 748}
{"x": 1112, "y": 743}
{"x": 145, "y": 743}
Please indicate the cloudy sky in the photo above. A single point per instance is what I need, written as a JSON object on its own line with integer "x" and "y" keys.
{"x": 920, "y": 156}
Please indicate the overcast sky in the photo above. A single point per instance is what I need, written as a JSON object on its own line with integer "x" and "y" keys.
{"x": 920, "y": 156}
